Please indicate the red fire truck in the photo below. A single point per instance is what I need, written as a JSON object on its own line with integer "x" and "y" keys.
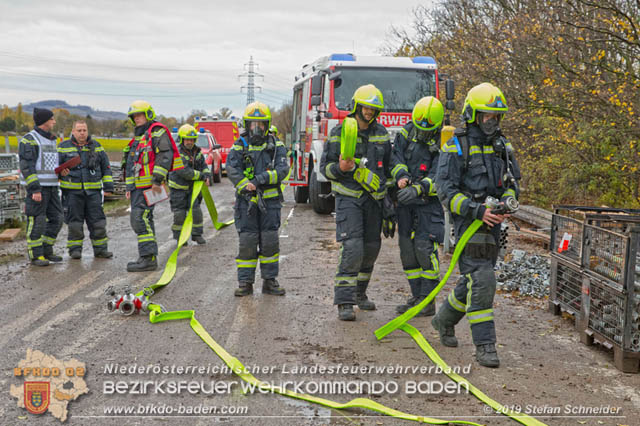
{"x": 225, "y": 133}
{"x": 322, "y": 99}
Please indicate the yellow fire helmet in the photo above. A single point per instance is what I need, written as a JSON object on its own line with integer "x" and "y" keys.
{"x": 257, "y": 111}
{"x": 428, "y": 113}
{"x": 484, "y": 97}
{"x": 370, "y": 96}
{"x": 187, "y": 131}
{"x": 141, "y": 106}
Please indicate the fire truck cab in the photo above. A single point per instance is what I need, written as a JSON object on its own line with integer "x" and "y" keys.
{"x": 322, "y": 99}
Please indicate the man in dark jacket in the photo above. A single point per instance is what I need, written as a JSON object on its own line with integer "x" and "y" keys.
{"x": 38, "y": 160}
{"x": 420, "y": 215}
{"x": 359, "y": 193}
{"x": 82, "y": 191}
{"x": 476, "y": 163}
{"x": 257, "y": 164}
{"x": 151, "y": 155}
{"x": 181, "y": 184}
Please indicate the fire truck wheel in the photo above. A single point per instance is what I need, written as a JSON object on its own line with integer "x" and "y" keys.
{"x": 322, "y": 203}
{"x": 216, "y": 176}
{"x": 301, "y": 194}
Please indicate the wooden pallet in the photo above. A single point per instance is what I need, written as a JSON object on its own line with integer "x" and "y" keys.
{"x": 625, "y": 361}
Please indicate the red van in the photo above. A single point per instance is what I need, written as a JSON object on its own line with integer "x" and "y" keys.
{"x": 225, "y": 133}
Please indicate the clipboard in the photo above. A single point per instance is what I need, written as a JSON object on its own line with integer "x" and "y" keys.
{"x": 75, "y": 161}
{"x": 152, "y": 198}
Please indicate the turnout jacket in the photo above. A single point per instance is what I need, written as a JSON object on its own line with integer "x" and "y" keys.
{"x": 466, "y": 175}
{"x": 93, "y": 172}
{"x": 162, "y": 162}
{"x": 195, "y": 168}
{"x": 265, "y": 165}
{"x": 418, "y": 162}
{"x": 373, "y": 144}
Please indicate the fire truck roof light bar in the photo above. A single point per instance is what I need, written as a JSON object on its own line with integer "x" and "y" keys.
{"x": 342, "y": 57}
{"x": 423, "y": 60}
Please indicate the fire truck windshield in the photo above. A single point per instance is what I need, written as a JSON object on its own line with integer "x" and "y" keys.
{"x": 203, "y": 141}
{"x": 401, "y": 88}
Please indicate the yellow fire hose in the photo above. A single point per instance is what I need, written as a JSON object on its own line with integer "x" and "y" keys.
{"x": 156, "y": 315}
{"x": 401, "y": 323}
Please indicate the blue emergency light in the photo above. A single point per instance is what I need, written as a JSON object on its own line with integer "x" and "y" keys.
{"x": 174, "y": 130}
{"x": 342, "y": 57}
{"x": 423, "y": 60}
{"x": 201, "y": 129}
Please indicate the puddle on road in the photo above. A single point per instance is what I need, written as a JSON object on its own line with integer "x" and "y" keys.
{"x": 317, "y": 413}
{"x": 325, "y": 244}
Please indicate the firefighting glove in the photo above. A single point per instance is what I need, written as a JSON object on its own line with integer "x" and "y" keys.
{"x": 409, "y": 193}
{"x": 365, "y": 177}
{"x": 205, "y": 175}
{"x": 389, "y": 218}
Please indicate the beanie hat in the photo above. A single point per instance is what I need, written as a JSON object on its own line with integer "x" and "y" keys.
{"x": 41, "y": 115}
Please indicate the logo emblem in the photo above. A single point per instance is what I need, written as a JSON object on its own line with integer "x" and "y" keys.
{"x": 36, "y": 397}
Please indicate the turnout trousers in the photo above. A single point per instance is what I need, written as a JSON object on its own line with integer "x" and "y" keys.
{"x": 475, "y": 290}
{"x": 82, "y": 206}
{"x": 142, "y": 223}
{"x": 418, "y": 248}
{"x": 258, "y": 240}
{"x": 358, "y": 227}
{"x": 44, "y": 221}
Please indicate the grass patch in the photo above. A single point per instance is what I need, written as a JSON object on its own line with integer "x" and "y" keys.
{"x": 113, "y": 145}
{"x": 9, "y": 257}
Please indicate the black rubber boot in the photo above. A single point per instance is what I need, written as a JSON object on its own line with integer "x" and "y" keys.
{"x": 103, "y": 254}
{"x": 198, "y": 239}
{"x": 427, "y": 311}
{"x": 75, "y": 254}
{"x": 346, "y": 313}
{"x": 271, "y": 286}
{"x": 48, "y": 254}
{"x": 447, "y": 333}
{"x": 40, "y": 261}
{"x": 487, "y": 356}
{"x": 244, "y": 289}
{"x": 145, "y": 263}
{"x": 363, "y": 302}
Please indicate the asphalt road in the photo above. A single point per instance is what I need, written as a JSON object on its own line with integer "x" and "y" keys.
{"x": 61, "y": 311}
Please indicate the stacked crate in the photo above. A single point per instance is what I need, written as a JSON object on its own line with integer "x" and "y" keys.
{"x": 11, "y": 193}
{"x": 597, "y": 277}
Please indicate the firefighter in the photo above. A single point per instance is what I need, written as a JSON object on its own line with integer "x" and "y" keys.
{"x": 151, "y": 155}
{"x": 181, "y": 183}
{"x": 476, "y": 163}
{"x": 38, "y": 159}
{"x": 82, "y": 191}
{"x": 273, "y": 130}
{"x": 359, "y": 190}
{"x": 420, "y": 216}
{"x": 257, "y": 164}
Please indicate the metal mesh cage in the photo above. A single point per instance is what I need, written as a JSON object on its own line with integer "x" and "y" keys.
{"x": 607, "y": 311}
{"x": 567, "y": 285}
{"x": 8, "y": 162}
{"x": 561, "y": 225}
{"x": 606, "y": 253}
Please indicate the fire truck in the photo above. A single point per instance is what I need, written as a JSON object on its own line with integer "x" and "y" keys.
{"x": 322, "y": 99}
{"x": 225, "y": 133}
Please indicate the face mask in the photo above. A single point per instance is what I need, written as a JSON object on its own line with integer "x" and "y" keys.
{"x": 489, "y": 127}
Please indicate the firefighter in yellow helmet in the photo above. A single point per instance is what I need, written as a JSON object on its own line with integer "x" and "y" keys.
{"x": 359, "y": 185}
{"x": 151, "y": 154}
{"x": 257, "y": 164}
{"x": 181, "y": 183}
{"x": 477, "y": 163}
{"x": 420, "y": 216}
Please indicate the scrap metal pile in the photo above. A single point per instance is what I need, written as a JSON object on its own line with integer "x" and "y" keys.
{"x": 526, "y": 273}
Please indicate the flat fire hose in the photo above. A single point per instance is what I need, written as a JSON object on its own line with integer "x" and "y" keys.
{"x": 157, "y": 315}
{"x": 400, "y": 322}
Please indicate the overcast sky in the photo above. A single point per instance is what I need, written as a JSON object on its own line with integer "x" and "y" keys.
{"x": 178, "y": 55}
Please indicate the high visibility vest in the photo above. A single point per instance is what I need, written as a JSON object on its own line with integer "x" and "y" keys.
{"x": 145, "y": 157}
